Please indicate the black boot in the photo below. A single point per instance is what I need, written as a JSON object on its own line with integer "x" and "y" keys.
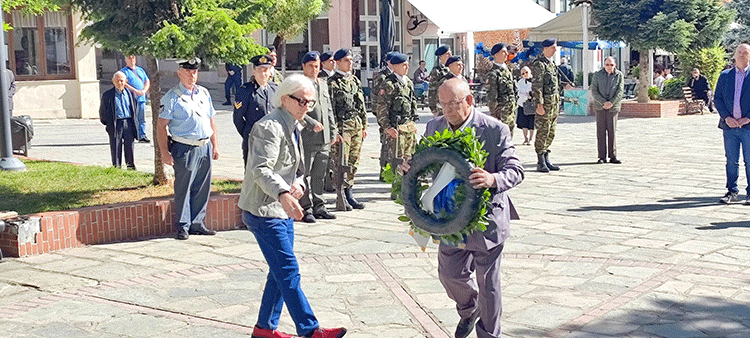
{"x": 351, "y": 200}
{"x": 541, "y": 164}
{"x": 550, "y": 166}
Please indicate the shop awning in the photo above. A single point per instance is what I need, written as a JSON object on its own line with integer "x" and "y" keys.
{"x": 483, "y": 15}
{"x": 566, "y": 27}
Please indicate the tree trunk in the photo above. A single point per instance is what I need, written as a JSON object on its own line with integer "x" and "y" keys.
{"x": 643, "y": 78}
{"x": 152, "y": 68}
{"x": 283, "y": 57}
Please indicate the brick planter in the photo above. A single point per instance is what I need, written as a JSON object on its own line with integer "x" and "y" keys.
{"x": 110, "y": 223}
{"x": 651, "y": 109}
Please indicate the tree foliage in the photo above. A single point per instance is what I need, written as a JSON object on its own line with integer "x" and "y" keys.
{"x": 32, "y": 6}
{"x": 289, "y": 18}
{"x": 740, "y": 33}
{"x": 710, "y": 61}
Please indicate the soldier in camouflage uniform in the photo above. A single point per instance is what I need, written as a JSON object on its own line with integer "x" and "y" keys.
{"x": 436, "y": 78}
{"x": 276, "y": 76}
{"x": 545, "y": 89}
{"x": 398, "y": 115}
{"x": 455, "y": 69}
{"x": 377, "y": 99}
{"x": 501, "y": 88}
{"x": 348, "y": 104}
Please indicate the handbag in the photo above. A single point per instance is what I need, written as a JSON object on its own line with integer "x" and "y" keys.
{"x": 528, "y": 107}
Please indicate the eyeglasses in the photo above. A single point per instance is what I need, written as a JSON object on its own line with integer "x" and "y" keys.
{"x": 609, "y": 64}
{"x": 452, "y": 103}
{"x": 303, "y": 102}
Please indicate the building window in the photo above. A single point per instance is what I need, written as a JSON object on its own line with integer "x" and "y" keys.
{"x": 41, "y": 45}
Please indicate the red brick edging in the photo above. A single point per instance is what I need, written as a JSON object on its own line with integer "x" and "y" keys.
{"x": 114, "y": 223}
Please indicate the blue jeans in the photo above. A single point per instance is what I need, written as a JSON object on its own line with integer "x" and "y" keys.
{"x": 733, "y": 139}
{"x": 276, "y": 240}
{"x": 140, "y": 119}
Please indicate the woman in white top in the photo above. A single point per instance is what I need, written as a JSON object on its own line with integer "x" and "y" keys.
{"x": 525, "y": 120}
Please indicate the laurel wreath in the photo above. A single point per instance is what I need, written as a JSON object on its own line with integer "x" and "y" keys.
{"x": 466, "y": 143}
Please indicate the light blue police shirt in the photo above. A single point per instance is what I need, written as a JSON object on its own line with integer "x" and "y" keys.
{"x": 189, "y": 113}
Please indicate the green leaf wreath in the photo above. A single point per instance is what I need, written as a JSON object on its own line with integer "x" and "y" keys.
{"x": 466, "y": 143}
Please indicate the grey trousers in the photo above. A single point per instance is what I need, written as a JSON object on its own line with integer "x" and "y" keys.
{"x": 606, "y": 124}
{"x": 316, "y": 167}
{"x": 192, "y": 184}
{"x": 482, "y": 294}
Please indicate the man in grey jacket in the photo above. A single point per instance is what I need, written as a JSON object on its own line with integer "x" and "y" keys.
{"x": 607, "y": 88}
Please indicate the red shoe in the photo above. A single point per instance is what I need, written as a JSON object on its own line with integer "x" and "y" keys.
{"x": 329, "y": 333}
{"x": 263, "y": 333}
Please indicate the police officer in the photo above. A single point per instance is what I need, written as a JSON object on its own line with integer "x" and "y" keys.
{"x": 378, "y": 90}
{"x": 436, "y": 77}
{"x": 501, "y": 88}
{"x": 253, "y": 100}
{"x": 545, "y": 89}
{"x": 348, "y": 104}
{"x": 327, "y": 65}
{"x": 276, "y": 76}
{"x": 187, "y": 113}
{"x": 398, "y": 115}
{"x": 234, "y": 80}
{"x": 316, "y": 144}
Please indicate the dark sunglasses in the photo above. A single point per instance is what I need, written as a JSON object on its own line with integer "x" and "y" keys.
{"x": 303, "y": 102}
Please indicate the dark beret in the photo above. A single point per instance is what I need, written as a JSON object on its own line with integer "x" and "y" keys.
{"x": 310, "y": 56}
{"x": 398, "y": 58}
{"x": 549, "y": 42}
{"x": 325, "y": 56}
{"x": 261, "y": 60}
{"x": 389, "y": 56}
{"x": 271, "y": 49}
{"x": 452, "y": 59}
{"x": 342, "y": 53}
{"x": 496, "y": 48}
{"x": 442, "y": 50}
{"x": 192, "y": 63}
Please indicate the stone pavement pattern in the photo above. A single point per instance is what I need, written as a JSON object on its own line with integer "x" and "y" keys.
{"x": 641, "y": 249}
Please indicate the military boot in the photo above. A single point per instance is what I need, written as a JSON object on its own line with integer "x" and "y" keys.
{"x": 350, "y": 198}
{"x": 541, "y": 164}
{"x": 550, "y": 166}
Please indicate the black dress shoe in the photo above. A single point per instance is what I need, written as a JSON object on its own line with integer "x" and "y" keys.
{"x": 614, "y": 160}
{"x": 182, "y": 234}
{"x": 466, "y": 325}
{"x": 144, "y": 140}
{"x": 324, "y": 214}
{"x": 202, "y": 231}
{"x": 601, "y": 160}
{"x": 308, "y": 218}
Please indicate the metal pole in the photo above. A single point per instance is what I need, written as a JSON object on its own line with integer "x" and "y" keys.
{"x": 7, "y": 161}
{"x": 585, "y": 24}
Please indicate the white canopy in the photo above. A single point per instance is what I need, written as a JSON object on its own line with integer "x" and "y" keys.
{"x": 566, "y": 27}
{"x": 483, "y": 15}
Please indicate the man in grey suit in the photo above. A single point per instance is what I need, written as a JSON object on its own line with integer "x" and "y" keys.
{"x": 607, "y": 88}
{"x": 317, "y": 144}
{"x": 478, "y": 298}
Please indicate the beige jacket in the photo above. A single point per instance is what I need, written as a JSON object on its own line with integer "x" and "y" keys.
{"x": 274, "y": 163}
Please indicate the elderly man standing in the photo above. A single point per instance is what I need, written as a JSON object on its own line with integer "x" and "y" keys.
{"x": 607, "y": 88}
{"x": 188, "y": 116}
{"x": 501, "y": 88}
{"x": 116, "y": 111}
{"x": 545, "y": 89}
{"x": 732, "y": 100}
{"x": 139, "y": 83}
{"x": 478, "y": 298}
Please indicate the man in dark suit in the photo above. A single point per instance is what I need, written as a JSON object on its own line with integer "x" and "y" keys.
{"x": 482, "y": 250}
{"x": 698, "y": 84}
{"x": 253, "y": 100}
{"x": 116, "y": 111}
{"x": 732, "y": 100}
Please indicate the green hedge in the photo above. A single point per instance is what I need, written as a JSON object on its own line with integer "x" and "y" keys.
{"x": 673, "y": 89}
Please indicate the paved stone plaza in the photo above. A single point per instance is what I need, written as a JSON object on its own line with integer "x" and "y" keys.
{"x": 640, "y": 249}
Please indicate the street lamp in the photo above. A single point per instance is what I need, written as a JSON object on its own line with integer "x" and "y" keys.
{"x": 7, "y": 161}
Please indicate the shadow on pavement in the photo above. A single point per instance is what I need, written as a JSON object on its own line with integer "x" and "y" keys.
{"x": 725, "y": 225}
{"x": 675, "y": 203}
{"x": 701, "y": 317}
{"x": 71, "y": 144}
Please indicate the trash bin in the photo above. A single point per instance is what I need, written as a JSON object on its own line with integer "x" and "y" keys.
{"x": 22, "y": 131}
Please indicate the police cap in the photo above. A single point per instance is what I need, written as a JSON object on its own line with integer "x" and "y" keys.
{"x": 452, "y": 59}
{"x": 192, "y": 63}
{"x": 442, "y": 50}
{"x": 263, "y": 60}
{"x": 497, "y": 47}
{"x": 342, "y": 53}
{"x": 310, "y": 56}
{"x": 549, "y": 42}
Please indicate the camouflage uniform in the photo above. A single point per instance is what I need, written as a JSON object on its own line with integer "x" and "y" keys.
{"x": 545, "y": 88}
{"x": 377, "y": 99}
{"x": 436, "y": 79}
{"x": 501, "y": 95}
{"x": 348, "y": 103}
{"x": 276, "y": 78}
{"x": 399, "y": 112}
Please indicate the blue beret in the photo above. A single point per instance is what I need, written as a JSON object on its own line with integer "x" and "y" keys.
{"x": 261, "y": 60}
{"x": 310, "y": 56}
{"x": 452, "y": 59}
{"x": 496, "y": 48}
{"x": 325, "y": 56}
{"x": 398, "y": 58}
{"x": 342, "y": 53}
{"x": 442, "y": 50}
{"x": 549, "y": 42}
{"x": 389, "y": 56}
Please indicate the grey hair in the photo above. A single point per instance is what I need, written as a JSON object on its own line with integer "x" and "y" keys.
{"x": 291, "y": 85}
{"x": 119, "y": 73}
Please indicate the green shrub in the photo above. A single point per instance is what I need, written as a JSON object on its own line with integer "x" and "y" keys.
{"x": 635, "y": 71}
{"x": 710, "y": 61}
{"x": 653, "y": 92}
{"x": 579, "y": 79}
{"x": 672, "y": 89}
